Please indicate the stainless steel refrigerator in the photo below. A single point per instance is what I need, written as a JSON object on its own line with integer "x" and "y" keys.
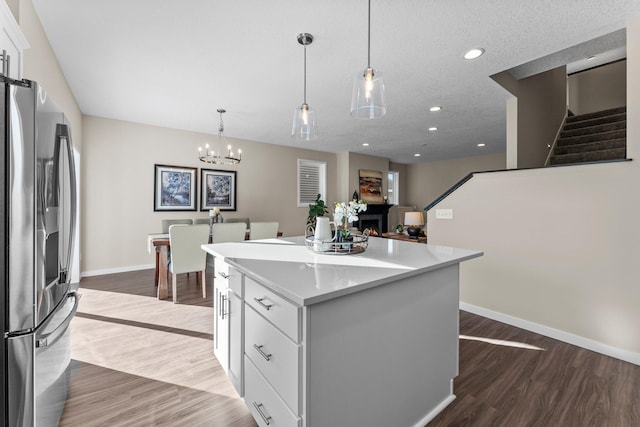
{"x": 38, "y": 212}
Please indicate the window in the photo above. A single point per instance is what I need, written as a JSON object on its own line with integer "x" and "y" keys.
{"x": 393, "y": 193}
{"x": 312, "y": 180}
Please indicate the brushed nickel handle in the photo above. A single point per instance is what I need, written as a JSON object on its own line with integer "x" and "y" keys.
{"x": 221, "y": 299}
{"x": 265, "y": 306}
{"x": 262, "y": 353}
{"x": 262, "y": 414}
{"x": 223, "y": 275}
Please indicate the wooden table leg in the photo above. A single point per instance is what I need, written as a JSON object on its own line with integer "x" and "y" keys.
{"x": 155, "y": 282}
{"x": 163, "y": 286}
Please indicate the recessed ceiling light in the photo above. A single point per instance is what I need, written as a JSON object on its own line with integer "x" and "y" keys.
{"x": 416, "y": 155}
{"x": 365, "y": 144}
{"x": 591, "y": 58}
{"x": 435, "y": 108}
{"x": 474, "y": 53}
{"x": 432, "y": 128}
{"x": 481, "y": 145}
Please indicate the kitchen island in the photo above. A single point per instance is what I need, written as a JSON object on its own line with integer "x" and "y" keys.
{"x": 315, "y": 340}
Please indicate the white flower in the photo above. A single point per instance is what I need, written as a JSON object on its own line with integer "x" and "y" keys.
{"x": 349, "y": 211}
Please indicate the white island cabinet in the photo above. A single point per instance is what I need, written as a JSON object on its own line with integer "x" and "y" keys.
{"x": 329, "y": 340}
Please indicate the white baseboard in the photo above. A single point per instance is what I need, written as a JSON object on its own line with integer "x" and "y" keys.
{"x": 435, "y": 411}
{"x": 117, "y": 270}
{"x": 598, "y": 347}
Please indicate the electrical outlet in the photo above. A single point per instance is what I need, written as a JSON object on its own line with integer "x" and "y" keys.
{"x": 444, "y": 213}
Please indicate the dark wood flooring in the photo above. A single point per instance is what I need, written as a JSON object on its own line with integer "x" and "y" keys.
{"x": 138, "y": 361}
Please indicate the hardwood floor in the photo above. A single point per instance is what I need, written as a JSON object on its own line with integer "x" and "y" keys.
{"x": 138, "y": 361}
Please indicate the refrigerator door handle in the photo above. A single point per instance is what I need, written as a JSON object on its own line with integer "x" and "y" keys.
{"x": 64, "y": 133}
{"x": 52, "y": 337}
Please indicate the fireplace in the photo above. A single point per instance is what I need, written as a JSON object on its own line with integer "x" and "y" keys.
{"x": 374, "y": 218}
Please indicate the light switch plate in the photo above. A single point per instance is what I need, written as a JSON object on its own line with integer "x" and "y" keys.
{"x": 444, "y": 213}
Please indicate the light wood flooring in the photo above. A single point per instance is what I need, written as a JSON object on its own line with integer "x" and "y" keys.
{"x": 138, "y": 361}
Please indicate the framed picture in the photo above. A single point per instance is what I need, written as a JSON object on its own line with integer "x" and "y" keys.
{"x": 174, "y": 188}
{"x": 218, "y": 190}
{"x": 371, "y": 186}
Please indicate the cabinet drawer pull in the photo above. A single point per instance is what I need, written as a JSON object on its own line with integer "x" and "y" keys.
{"x": 221, "y": 301}
{"x": 224, "y": 276}
{"x": 262, "y": 353}
{"x": 262, "y": 414}
{"x": 266, "y": 306}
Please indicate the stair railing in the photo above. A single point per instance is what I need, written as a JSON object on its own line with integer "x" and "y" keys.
{"x": 552, "y": 147}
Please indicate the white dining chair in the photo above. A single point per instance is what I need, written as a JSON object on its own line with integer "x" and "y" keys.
{"x": 246, "y": 220}
{"x": 166, "y": 223}
{"x": 264, "y": 230}
{"x": 186, "y": 253}
{"x": 228, "y": 232}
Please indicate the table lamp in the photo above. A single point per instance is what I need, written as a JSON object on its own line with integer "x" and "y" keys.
{"x": 414, "y": 222}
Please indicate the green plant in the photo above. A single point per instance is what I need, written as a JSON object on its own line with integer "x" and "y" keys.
{"x": 316, "y": 209}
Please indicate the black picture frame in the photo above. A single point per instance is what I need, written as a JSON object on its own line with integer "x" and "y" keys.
{"x": 174, "y": 188}
{"x": 218, "y": 190}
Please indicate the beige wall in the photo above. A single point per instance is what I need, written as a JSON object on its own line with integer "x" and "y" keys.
{"x": 542, "y": 106}
{"x": 427, "y": 181}
{"x": 561, "y": 244}
{"x": 359, "y": 161}
{"x": 599, "y": 88}
{"x": 41, "y": 65}
{"x": 117, "y": 202}
{"x": 535, "y": 116}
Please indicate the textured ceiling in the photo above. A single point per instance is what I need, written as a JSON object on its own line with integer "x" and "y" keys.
{"x": 172, "y": 63}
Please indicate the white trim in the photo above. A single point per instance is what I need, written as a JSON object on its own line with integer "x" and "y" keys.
{"x": 117, "y": 270}
{"x": 598, "y": 347}
{"x": 435, "y": 411}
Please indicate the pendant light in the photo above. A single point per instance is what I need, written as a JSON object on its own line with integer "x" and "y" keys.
{"x": 216, "y": 155}
{"x": 367, "y": 101}
{"x": 304, "y": 117}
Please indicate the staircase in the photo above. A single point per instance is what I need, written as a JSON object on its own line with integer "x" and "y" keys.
{"x": 592, "y": 137}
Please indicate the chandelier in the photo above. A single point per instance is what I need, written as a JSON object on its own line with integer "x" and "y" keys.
{"x": 216, "y": 155}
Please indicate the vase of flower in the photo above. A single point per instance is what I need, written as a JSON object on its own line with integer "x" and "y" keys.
{"x": 343, "y": 215}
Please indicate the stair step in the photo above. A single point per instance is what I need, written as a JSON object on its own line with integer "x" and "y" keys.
{"x": 608, "y": 127}
{"x": 592, "y": 156}
{"x": 583, "y": 139}
{"x": 587, "y": 116}
{"x": 608, "y": 144}
{"x": 613, "y": 118}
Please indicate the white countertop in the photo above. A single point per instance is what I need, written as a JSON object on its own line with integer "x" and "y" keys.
{"x": 304, "y": 277}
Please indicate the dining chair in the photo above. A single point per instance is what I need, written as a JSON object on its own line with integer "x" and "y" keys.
{"x": 264, "y": 230}
{"x": 201, "y": 221}
{"x": 228, "y": 232}
{"x": 241, "y": 219}
{"x": 166, "y": 223}
{"x": 186, "y": 253}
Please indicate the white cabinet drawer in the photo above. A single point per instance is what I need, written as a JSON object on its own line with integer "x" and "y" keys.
{"x": 263, "y": 402}
{"x": 275, "y": 356}
{"x": 221, "y": 270}
{"x": 276, "y": 309}
{"x": 235, "y": 280}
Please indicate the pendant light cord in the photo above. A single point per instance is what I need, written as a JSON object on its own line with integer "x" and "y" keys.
{"x": 369, "y": 37}
{"x": 305, "y": 73}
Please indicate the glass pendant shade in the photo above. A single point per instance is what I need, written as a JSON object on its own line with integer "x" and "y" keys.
{"x": 367, "y": 101}
{"x": 304, "y": 117}
{"x": 304, "y": 123}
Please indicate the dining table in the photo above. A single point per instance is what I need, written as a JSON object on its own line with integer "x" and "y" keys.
{"x": 160, "y": 244}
